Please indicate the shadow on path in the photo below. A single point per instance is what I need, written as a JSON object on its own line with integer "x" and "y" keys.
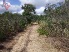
{"x": 26, "y": 44}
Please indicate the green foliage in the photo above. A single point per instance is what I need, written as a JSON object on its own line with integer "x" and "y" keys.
{"x": 50, "y": 28}
{"x": 56, "y": 21}
{"x": 28, "y": 8}
{"x": 42, "y": 32}
{"x": 29, "y": 11}
{"x": 10, "y": 24}
{"x": 2, "y": 37}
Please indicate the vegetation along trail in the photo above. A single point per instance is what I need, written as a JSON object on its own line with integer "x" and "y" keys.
{"x": 32, "y": 42}
{"x": 29, "y": 32}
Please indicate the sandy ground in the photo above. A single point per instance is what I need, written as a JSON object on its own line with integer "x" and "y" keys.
{"x": 30, "y": 41}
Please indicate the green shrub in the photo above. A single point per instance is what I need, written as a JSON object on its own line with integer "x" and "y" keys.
{"x": 42, "y": 32}
{"x": 11, "y": 23}
{"x": 2, "y": 36}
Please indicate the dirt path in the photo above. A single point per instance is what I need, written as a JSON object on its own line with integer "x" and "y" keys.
{"x": 30, "y": 41}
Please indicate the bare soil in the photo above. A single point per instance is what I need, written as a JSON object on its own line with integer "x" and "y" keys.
{"x": 30, "y": 41}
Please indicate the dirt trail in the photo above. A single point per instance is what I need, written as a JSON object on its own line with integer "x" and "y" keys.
{"x": 30, "y": 41}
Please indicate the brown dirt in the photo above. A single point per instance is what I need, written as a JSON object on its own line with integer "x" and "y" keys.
{"x": 30, "y": 41}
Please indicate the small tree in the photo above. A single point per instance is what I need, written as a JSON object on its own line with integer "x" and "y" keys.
{"x": 29, "y": 10}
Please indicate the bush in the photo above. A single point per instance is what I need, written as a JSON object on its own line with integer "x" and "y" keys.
{"x": 10, "y": 24}
{"x": 42, "y": 32}
{"x": 2, "y": 36}
{"x": 56, "y": 29}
